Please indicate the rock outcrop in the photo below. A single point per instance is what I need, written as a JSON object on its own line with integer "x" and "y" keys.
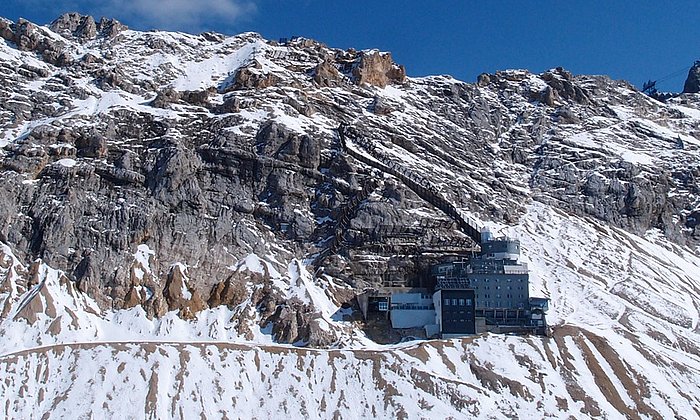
{"x": 207, "y": 162}
{"x": 85, "y": 28}
{"x": 692, "y": 82}
{"x": 377, "y": 69}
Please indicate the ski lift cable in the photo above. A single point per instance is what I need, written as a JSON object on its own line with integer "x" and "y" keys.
{"x": 674, "y": 74}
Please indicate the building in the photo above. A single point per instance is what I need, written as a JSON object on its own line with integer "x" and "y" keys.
{"x": 412, "y": 310}
{"x": 486, "y": 292}
{"x": 499, "y": 281}
{"x": 454, "y": 312}
{"x": 501, "y": 286}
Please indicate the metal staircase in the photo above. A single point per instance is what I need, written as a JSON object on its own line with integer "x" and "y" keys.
{"x": 420, "y": 185}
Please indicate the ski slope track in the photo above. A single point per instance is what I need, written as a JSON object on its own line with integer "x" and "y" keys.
{"x": 179, "y": 224}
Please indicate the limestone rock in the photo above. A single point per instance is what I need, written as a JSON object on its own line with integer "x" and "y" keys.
{"x": 179, "y": 295}
{"x": 94, "y": 146}
{"x": 84, "y": 28}
{"x": 325, "y": 74}
{"x": 166, "y": 97}
{"x": 381, "y": 106}
{"x": 252, "y": 77}
{"x": 692, "y": 82}
{"x": 483, "y": 79}
{"x": 378, "y": 69}
{"x": 560, "y": 82}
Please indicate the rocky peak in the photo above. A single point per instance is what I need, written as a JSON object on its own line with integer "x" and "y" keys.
{"x": 82, "y": 27}
{"x": 23, "y": 33}
{"x": 374, "y": 68}
{"x": 692, "y": 83}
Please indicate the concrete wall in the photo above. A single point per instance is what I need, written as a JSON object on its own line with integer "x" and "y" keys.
{"x": 412, "y": 318}
{"x": 411, "y": 298}
{"x": 437, "y": 301}
{"x": 411, "y": 310}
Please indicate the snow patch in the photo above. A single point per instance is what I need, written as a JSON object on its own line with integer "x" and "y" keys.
{"x": 67, "y": 162}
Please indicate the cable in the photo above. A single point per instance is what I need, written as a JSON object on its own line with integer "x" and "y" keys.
{"x": 674, "y": 74}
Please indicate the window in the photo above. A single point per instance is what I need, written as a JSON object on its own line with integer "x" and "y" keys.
{"x": 447, "y": 302}
{"x": 383, "y": 306}
{"x": 454, "y": 302}
{"x": 469, "y": 302}
{"x": 461, "y": 302}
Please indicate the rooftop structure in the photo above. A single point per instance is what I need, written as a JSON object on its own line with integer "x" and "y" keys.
{"x": 498, "y": 279}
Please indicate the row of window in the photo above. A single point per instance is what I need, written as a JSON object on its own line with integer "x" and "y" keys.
{"x": 507, "y": 280}
{"x": 454, "y": 311}
{"x": 496, "y": 304}
{"x": 498, "y": 296}
{"x": 500, "y": 287}
{"x": 454, "y": 321}
{"x": 457, "y": 302}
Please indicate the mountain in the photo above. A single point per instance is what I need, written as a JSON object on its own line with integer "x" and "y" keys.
{"x": 184, "y": 231}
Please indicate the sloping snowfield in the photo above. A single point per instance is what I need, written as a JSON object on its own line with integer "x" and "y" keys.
{"x": 614, "y": 352}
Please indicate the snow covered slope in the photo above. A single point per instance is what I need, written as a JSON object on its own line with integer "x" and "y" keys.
{"x": 167, "y": 197}
{"x": 615, "y": 350}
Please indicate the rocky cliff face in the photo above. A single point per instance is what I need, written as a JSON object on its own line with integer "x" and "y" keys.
{"x": 692, "y": 82}
{"x": 205, "y": 149}
{"x": 203, "y": 177}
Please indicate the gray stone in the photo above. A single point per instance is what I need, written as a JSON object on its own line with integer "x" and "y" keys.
{"x": 692, "y": 82}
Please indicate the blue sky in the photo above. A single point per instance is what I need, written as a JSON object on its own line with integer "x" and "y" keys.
{"x": 632, "y": 40}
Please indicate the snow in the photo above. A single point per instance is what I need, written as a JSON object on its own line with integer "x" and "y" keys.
{"x": 393, "y": 92}
{"x": 142, "y": 257}
{"x": 251, "y": 262}
{"x": 637, "y": 158}
{"x": 202, "y": 74}
{"x": 625, "y": 309}
{"x": 67, "y": 162}
{"x": 184, "y": 289}
{"x": 104, "y": 102}
{"x": 689, "y": 112}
